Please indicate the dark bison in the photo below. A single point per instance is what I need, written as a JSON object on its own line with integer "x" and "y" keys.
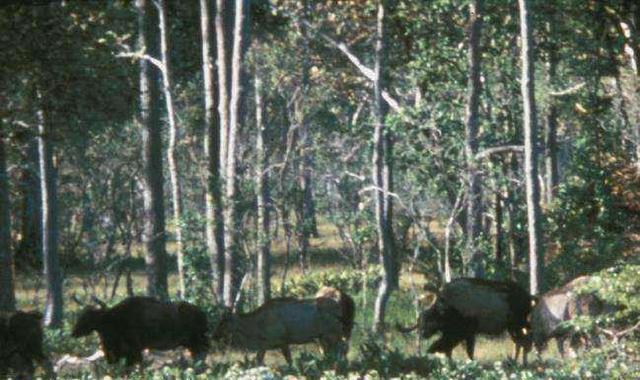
{"x": 558, "y": 306}
{"x": 347, "y": 307}
{"x": 140, "y": 323}
{"x": 466, "y": 307}
{"x": 281, "y": 322}
{"x": 21, "y": 344}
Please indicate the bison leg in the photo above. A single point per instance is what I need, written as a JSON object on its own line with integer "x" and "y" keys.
{"x": 286, "y": 352}
{"x": 444, "y": 345}
{"x": 471, "y": 345}
{"x": 560, "y": 344}
{"x": 260, "y": 357}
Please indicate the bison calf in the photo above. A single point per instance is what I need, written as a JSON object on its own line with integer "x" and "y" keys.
{"x": 21, "y": 344}
{"x": 140, "y": 323}
{"x": 281, "y": 322}
{"x": 466, "y": 307}
{"x": 554, "y": 308}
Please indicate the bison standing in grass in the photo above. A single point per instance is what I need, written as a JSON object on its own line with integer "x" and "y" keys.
{"x": 21, "y": 344}
{"x": 140, "y": 323}
{"x": 558, "y": 306}
{"x": 467, "y": 307}
{"x": 281, "y": 322}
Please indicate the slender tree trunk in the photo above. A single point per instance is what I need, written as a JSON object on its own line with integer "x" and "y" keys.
{"x": 222, "y": 49}
{"x": 262, "y": 191}
{"x": 534, "y": 215}
{"x": 49, "y": 227}
{"x": 474, "y": 265}
{"x": 498, "y": 238}
{"x": 382, "y": 175}
{"x": 172, "y": 156}
{"x": 153, "y": 235}
{"x": 7, "y": 275}
{"x": 212, "y": 130}
{"x": 230, "y": 252}
{"x": 30, "y": 244}
{"x": 307, "y": 210}
{"x": 551, "y": 128}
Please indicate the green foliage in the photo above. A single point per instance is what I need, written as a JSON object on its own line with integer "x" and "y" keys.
{"x": 349, "y": 281}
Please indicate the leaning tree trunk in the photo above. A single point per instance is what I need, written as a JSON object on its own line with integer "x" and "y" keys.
{"x": 382, "y": 176}
{"x": 474, "y": 265}
{"x": 7, "y": 277}
{"x": 49, "y": 226}
{"x": 262, "y": 190}
{"x": 230, "y": 218}
{"x": 213, "y": 200}
{"x": 172, "y": 157}
{"x": 534, "y": 215}
{"x": 153, "y": 235}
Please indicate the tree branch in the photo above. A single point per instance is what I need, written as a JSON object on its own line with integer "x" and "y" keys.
{"x": 366, "y": 71}
{"x": 568, "y": 91}
{"x": 499, "y": 150}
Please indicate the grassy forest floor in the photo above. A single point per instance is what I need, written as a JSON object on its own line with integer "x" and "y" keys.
{"x": 403, "y": 353}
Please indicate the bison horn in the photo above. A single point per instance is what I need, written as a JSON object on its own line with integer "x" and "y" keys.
{"x": 404, "y": 329}
{"x": 99, "y": 302}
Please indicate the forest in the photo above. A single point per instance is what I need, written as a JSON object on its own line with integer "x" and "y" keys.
{"x": 201, "y": 181}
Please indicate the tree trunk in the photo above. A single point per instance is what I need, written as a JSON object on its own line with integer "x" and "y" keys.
{"x": 262, "y": 191}
{"x": 474, "y": 261}
{"x": 306, "y": 207}
{"x": 230, "y": 219}
{"x": 30, "y": 244}
{"x": 49, "y": 227}
{"x": 551, "y": 128}
{"x": 497, "y": 244}
{"x": 213, "y": 199}
{"x": 153, "y": 235}
{"x": 534, "y": 215}
{"x": 382, "y": 175}
{"x": 223, "y": 79}
{"x": 172, "y": 157}
{"x": 7, "y": 275}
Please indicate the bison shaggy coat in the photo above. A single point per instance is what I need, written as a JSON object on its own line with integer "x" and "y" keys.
{"x": 281, "y": 322}
{"x": 21, "y": 343}
{"x": 466, "y": 307}
{"x": 140, "y": 323}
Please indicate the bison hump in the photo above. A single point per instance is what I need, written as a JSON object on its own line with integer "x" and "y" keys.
{"x": 486, "y": 305}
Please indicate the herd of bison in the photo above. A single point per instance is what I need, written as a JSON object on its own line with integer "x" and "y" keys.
{"x": 460, "y": 310}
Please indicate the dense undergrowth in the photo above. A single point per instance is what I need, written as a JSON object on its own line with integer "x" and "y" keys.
{"x": 395, "y": 355}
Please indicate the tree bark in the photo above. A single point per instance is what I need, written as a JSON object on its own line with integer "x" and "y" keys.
{"x": 153, "y": 235}
{"x": 222, "y": 64}
{"x": 534, "y": 215}
{"x": 30, "y": 244}
{"x": 172, "y": 156}
{"x": 382, "y": 175}
{"x": 474, "y": 264}
{"x": 262, "y": 191}
{"x": 213, "y": 198}
{"x": 306, "y": 208}
{"x": 49, "y": 226}
{"x": 7, "y": 274}
{"x": 230, "y": 250}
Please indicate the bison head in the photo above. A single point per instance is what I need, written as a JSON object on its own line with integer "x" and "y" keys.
{"x": 90, "y": 320}
{"x": 223, "y": 331}
{"x": 430, "y": 321}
